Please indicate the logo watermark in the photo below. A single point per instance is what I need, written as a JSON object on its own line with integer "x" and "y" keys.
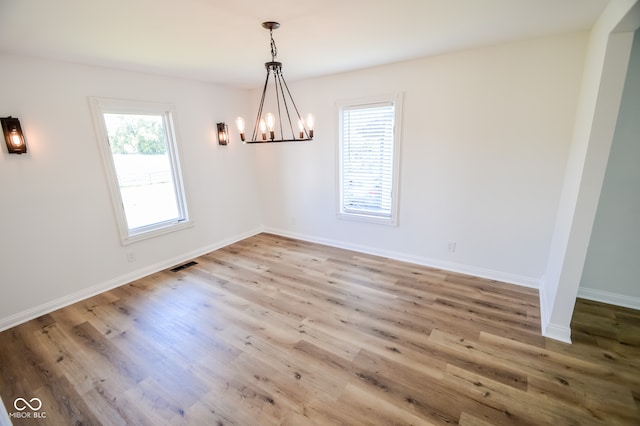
{"x": 28, "y": 409}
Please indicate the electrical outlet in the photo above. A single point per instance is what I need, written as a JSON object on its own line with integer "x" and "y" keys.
{"x": 131, "y": 257}
{"x": 452, "y": 246}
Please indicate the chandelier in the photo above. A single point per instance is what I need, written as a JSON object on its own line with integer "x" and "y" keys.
{"x": 278, "y": 127}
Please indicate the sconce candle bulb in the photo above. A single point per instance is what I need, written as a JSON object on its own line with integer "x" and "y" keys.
{"x": 15, "y": 138}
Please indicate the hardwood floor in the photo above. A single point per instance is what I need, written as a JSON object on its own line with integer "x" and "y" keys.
{"x": 277, "y": 331}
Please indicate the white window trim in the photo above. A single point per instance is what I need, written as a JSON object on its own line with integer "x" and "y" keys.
{"x": 396, "y": 99}
{"x": 100, "y": 106}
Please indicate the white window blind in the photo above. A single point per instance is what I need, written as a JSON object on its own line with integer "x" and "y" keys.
{"x": 367, "y": 154}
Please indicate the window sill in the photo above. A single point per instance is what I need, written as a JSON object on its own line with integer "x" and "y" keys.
{"x": 155, "y": 232}
{"x": 359, "y": 217}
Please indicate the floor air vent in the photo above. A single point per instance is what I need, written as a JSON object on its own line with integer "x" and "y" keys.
{"x": 185, "y": 266}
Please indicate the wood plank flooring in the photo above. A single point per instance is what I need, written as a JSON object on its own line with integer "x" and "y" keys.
{"x": 274, "y": 331}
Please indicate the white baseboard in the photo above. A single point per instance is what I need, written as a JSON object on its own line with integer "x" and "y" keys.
{"x": 418, "y": 260}
{"x": 550, "y": 330}
{"x": 610, "y": 298}
{"x": 545, "y": 314}
{"x": 557, "y": 332}
{"x": 53, "y": 305}
{"x": 45, "y": 308}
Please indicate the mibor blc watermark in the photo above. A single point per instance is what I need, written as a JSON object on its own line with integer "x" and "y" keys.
{"x": 28, "y": 409}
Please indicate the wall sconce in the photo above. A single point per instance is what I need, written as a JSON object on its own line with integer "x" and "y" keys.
{"x": 13, "y": 135}
{"x": 223, "y": 134}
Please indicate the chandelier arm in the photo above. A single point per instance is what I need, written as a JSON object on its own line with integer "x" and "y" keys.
{"x": 304, "y": 125}
{"x": 257, "y": 123}
{"x": 276, "y": 71}
{"x": 277, "y": 76}
{"x": 282, "y": 140}
{"x": 286, "y": 106}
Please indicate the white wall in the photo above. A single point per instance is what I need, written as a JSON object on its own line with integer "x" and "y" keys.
{"x": 605, "y": 69}
{"x": 486, "y": 143}
{"x": 58, "y": 234}
{"x": 611, "y": 268}
{"x": 485, "y": 140}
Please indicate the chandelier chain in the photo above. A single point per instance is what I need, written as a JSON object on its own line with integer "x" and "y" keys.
{"x": 274, "y": 49}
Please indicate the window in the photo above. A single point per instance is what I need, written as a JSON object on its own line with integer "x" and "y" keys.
{"x": 140, "y": 155}
{"x": 369, "y": 134}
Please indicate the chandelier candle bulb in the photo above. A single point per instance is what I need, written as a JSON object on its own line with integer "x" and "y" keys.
{"x": 263, "y": 130}
{"x": 310, "y": 124}
{"x": 240, "y": 125}
{"x": 270, "y": 123}
{"x": 301, "y": 128}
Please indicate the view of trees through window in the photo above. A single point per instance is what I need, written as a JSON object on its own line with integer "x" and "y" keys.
{"x": 139, "y": 147}
{"x": 136, "y": 134}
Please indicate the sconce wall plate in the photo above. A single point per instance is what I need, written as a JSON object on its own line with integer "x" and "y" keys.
{"x": 13, "y": 135}
{"x": 223, "y": 134}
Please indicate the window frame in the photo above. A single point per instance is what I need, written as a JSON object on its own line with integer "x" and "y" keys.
{"x": 345, "y": 213}
{"x": 101, "y": 106}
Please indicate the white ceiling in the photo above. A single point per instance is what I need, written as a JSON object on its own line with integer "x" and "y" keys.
{"x": 223, "y": 41}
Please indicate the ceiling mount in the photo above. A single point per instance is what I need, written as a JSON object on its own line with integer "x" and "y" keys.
{"x": 271, "y": 25}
